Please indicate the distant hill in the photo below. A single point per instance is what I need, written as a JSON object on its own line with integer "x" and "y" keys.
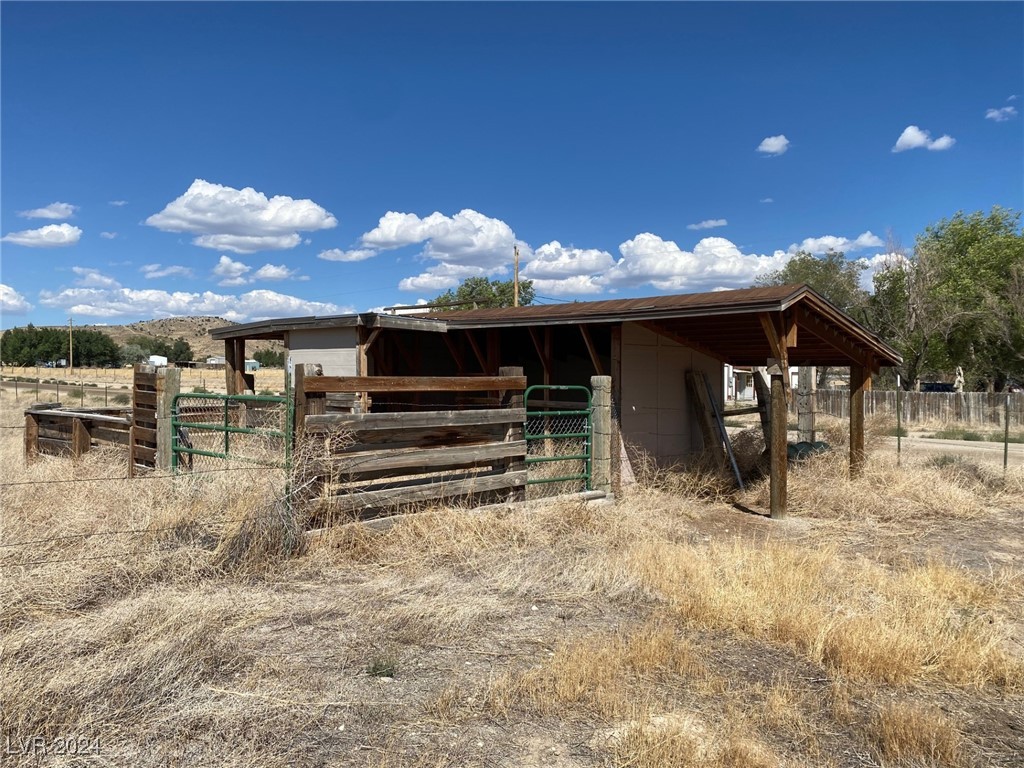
{"x": 195, "y": 330}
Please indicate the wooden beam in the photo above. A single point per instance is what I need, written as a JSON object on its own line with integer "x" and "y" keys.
{"x": 830, "y": 336}
{"x": 456, "y": 353}
{"x": 241, "y": 385}
{"x": 860, "y": 381}
{"x": 545, "y": 360}
{"x": 410, "y": 364}
{"x": 370, "y": 422}
{"x": 778, "y": 448}
{"x": 678, "y": 338}
{"x": 422, "y": 460}
{"x": 412, "y": 383}
{"x": 372, "y": 337}
{"x": 775, "y": 341}
{"x": 476, "y": 351}
{"x": 598, "y": 369}
{"x": 409, "y": 493}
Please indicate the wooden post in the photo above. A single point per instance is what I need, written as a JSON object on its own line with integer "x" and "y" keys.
{"x": 616, "y": 408}
{"x": 231, "y": 367}
{"x": 168, "y": 385}
{"x": 80, "y": 440}
{"x": 31, "y": 437}
{"x": 514, "y": 399}
{"x": 860, "y": 380}
{"x": 779, "y": 457}
{"x": 299, "y": 393}
{"x": 601, "y": 450}
{"x": 362, "y": 366}
{"x": 805, "y": 397}
{"x": 764, "y": 403}
{"x": 240, "y": 383}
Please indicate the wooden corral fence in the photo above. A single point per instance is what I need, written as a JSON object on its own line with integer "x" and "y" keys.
{"x": 982, "y": 409}
{"x": 56, "y": 431}
{"x": 375, "y": 463}
{"x": 153, "y": 390}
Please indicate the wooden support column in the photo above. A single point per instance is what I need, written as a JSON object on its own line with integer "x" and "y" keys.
{"x": 779, "y": 457}
{"x": 168, "y": 385}
{"x": 241, "y": 384}
{"x": 515, "y": 432}
{"x": 31, "y": 437}
{"x": 80, "y": 440}
{"x": 616, "y": 408}
{"x": 362, "y": 365}
{"x": 601, "y": 456}
{"x": 805, "y": 403}
{"x": 860, "y": 382}
{"x": 231, "y": 367}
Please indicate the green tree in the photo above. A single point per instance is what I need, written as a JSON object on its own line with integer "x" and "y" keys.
{"x": 133, "y": 353}
{"x": 269, "y": 358}
{"x": 482, "y": 293}
{"x": 957, "y": 301}
{"x": 832, "y": 275}
{"x": 181, "y": 351}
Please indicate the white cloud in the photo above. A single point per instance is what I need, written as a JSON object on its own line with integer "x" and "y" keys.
{"x": 50, "y": 236}
{"x": 126, "y": 302}
{"x": 553, "y": 261}
{"x": 108, "y": 235}
{"x": 1001, "y": 115}
{"x": 12, "y": 302}
{"x": 231, "y": 272}
{"x": 569, "y": 286}
{"x": 826, "y": 243}
{"x": 52, "y": 211}
{"x": 357, "y": 254}
{"x": 766, "y": 200}
{"x": 273, "y": 272}
{"x": 712, "y": 264}
{"x": 93, "y": 278}
{"x": 914, "y": 137}
{"x": 154, "y": 271}
{"x": 708, "y": 224}
{"x": 773, "y": 145}
{"x": 467, "y": 244}
{"x": 118, "y": 203}
{"x": 240, "y": 220}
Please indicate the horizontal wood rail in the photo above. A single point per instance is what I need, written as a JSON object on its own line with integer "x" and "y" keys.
{"x": 316, "y": 384}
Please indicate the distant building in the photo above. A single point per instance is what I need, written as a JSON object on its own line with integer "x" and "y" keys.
{"x": 252, "y": 365}
{"x": 157, "y": 360}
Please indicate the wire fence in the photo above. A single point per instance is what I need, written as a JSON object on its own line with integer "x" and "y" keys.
{"x": 558, "y": 454}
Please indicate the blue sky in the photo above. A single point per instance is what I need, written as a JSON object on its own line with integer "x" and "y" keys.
{"x": 251, "y": 160}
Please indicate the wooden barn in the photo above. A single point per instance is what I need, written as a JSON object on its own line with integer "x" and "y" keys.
{"x": 646, "y": 345}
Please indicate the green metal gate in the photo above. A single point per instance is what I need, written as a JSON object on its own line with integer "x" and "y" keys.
{"x": 559, "y": 440}
{"x": 251, "y": 429}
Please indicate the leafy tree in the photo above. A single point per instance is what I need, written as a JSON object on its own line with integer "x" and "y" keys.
{"x": 832, "y": 275}
{"x": 181, "y": 351}
{"x": 958, "y": 300}
{"x": 482, "y": 293}
{"x": 133, "y": 353}
{"x": 269, "y": 358}
{"x": 31, "y": 345}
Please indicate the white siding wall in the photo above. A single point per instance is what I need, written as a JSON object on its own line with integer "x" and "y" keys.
{"x": 333, "y": 348}
{"x": 656, "y": 413}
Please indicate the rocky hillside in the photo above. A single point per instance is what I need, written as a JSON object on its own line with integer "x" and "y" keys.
{"x": 195, "y": 330}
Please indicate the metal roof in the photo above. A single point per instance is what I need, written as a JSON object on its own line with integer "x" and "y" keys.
{"x": 725, "y": 323}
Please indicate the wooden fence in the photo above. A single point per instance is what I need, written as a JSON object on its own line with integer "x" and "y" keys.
{"x": 980, "y": 409}
{"x": 374, "y": 463}
{"x": 56, "y": 431}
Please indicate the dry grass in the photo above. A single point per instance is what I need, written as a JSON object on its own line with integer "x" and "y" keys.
{"x": 635, "y": 634}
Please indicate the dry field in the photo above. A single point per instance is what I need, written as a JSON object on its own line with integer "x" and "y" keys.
{"x": 185, "y": 622}
{"x": 118, "y": 380}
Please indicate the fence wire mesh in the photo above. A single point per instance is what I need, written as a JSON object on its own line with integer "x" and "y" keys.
{"x": 210, "y": 431}
{"x": 557, "y": 454}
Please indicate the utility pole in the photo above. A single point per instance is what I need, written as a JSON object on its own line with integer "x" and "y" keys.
{"x": 515, "y": 285}
{"x": 71, "y": 348}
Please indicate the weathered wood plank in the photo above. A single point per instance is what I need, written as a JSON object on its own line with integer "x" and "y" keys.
{"x": 144, "y": 435}
{"x": 428, "y": 459}
{"x": 143, "y": 454}
{"x": 80, "y": 440}
{"x": 393, "y": 498}
{"x": 145, "y": 398}
{"x": 361, "y": 422}
{"x": 412, "y": 383}
{"x": 31, "y": 436}
{"x": 103, "y": 435}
